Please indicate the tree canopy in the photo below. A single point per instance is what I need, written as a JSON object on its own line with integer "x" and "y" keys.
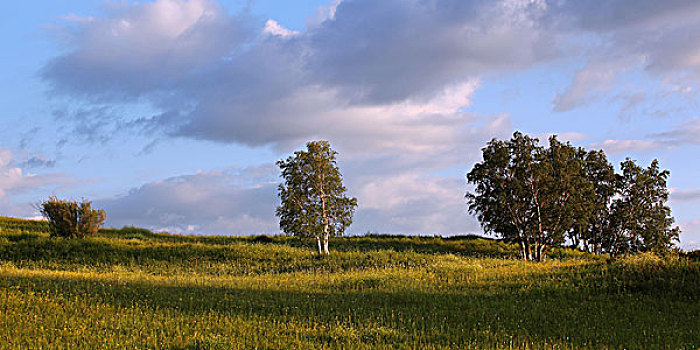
{"x": 313, "y": 200}
{"x": 546, "y": 196}
{"x": 641, "y": 219}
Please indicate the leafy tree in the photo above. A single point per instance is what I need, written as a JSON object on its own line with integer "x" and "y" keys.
{"x": 593, "y": 220}
{"x": 640, "y": 218}
{"x": 543, "y": 196}
{"x": 70, "y": 219}
{"x": 313, "y": 200}
{"x": 528, "y": 193}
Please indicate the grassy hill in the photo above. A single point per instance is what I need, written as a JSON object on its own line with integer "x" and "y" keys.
{"x": 130, "y": 288}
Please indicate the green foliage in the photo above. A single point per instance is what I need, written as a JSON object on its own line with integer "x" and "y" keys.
{"x": 70, "y": 219}
{"x": 129, "y": 288}
{"x": 313, "y": 200}
{"x": 641, "y": 220}
{"x": 542, "y": 197}
{"x": 528, "y": 193}
{"x": 591, "y": 231}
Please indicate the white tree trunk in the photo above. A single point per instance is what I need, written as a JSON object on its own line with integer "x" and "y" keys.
{"x": 527, "y": 249}
{"x": 325, "y": 243}
{"x": 542, "y": 255}
{"x": 318, "y": 242}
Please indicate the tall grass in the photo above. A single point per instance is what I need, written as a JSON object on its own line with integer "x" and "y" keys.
{"x": 129, "y": 289}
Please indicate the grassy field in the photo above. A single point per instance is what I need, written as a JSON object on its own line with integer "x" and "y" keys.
{"x": 132, "y": 289}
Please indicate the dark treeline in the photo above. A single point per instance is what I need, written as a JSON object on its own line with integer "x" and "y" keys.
{"x": 551, "y": 196}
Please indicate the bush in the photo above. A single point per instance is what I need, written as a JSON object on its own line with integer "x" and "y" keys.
{"x": 70, "y": 219}
{"x": 263, "y": 239}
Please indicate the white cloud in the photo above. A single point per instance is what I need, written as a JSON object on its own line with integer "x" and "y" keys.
{"x": 379, "y": 52}
{"x": 214, "y": 77}
{"x": 659, "y": 38}
{"x": 144, "y": 48}
{"x": 14, "y": 179}
{"x": 690, "y": 234}
{"x": 591, "y": 82}
{"x": 72, "y": 17}
{"x": 626, "y": 146}
{"x": 685, "y": 195}
{"x": 413, "y": 203}
{"x": 5, "y": 157}
{"x": 682, "y": 134}
{"x": 274, "y": 28}
{"x": 239, "y": 201}
{"x": 323, "y": 13}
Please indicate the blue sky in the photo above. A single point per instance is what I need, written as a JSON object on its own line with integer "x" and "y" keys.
{"x": 170, "y": 114}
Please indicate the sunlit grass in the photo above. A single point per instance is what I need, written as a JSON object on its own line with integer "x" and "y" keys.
{"x": 130, "y": 289}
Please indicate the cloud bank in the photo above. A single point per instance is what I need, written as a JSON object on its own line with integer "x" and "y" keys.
{"x": 243, "y": 79}
{"x": 388, "y": 83}
{"x": 241, "y": 201}
{"x": 238, "y": 78}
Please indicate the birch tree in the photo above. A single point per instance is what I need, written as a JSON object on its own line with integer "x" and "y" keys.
{"x": 640, "y": 219}
{"x": 528, "y": 193}
{"x": 541, "y": 197}
{"x": 313, "y": 200}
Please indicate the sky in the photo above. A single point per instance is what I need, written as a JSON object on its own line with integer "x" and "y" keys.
{"x": 170, "y": 114}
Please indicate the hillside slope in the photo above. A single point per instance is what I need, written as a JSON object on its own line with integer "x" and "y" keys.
{"x": 130, "y": 288}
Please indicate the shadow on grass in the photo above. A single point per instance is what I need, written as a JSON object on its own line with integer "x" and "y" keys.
{"x": 138, "y": 247}
{"x": 471, "y": 245}
{"x": 582, "y": 317}
{"x": 465, "y": 245}
{"x": 23, "y": 236}
{"x": 235, "y": 259}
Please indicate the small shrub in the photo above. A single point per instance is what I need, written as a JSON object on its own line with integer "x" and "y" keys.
{"x": 263, "y": 239}
{"x": 70, "y": 219}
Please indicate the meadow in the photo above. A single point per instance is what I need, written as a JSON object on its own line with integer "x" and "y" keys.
{"x": 133, "y": 289}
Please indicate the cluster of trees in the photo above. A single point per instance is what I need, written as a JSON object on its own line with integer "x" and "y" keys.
{"x": 542, "y": 197}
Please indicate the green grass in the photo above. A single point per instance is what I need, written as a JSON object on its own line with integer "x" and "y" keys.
{"x": 130, "y": 288}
